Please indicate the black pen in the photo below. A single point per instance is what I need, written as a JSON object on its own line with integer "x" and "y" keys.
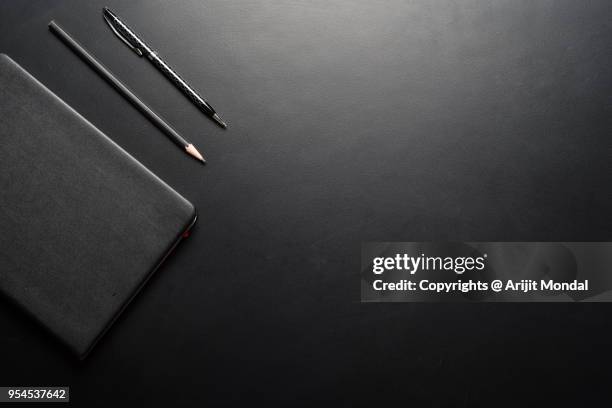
{"x": 124, "y": 90}
{"x": 128, "y": 36}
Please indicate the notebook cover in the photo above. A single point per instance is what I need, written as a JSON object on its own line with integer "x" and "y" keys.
{"x": 83, "y": 224}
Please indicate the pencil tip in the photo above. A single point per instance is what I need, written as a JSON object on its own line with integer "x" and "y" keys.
{"x": 219, "y": 121}
{"x": 194, "y": 152}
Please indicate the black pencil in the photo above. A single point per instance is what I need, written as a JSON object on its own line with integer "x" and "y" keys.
{"x": 124, "y": 90}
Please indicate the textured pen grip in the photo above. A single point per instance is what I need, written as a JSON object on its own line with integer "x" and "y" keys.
{"x": 181, "y": 84}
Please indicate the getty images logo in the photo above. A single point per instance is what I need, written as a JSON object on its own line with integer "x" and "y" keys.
{"x": 412, "y": 264}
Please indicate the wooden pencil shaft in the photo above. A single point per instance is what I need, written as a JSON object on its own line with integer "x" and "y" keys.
{"x": 117, "y": 84}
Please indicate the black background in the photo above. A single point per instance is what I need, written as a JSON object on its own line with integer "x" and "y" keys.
{"x": 349, "y": 121}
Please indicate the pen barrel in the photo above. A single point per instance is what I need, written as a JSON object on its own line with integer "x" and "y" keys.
{"x": 180, "y": 83}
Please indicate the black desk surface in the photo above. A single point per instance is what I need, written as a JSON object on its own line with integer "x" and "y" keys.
{"x": 348, "y": 121}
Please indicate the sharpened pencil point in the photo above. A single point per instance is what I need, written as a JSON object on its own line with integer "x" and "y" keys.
{"x": 219, "y": 121}
{"x": 194, "y": 152}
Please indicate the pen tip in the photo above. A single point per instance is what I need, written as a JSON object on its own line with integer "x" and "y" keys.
{"x": 219, "y": 121}
{"x": 194, "y": 152}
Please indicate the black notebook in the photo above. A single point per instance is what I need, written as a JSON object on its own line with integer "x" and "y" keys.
{"x": 83, "y": 225}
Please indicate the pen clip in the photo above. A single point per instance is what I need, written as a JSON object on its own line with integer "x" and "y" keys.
{"x": 135, "y": 49}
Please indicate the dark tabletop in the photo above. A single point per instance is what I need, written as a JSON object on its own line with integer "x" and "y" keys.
{"x": 349, "y": 121}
